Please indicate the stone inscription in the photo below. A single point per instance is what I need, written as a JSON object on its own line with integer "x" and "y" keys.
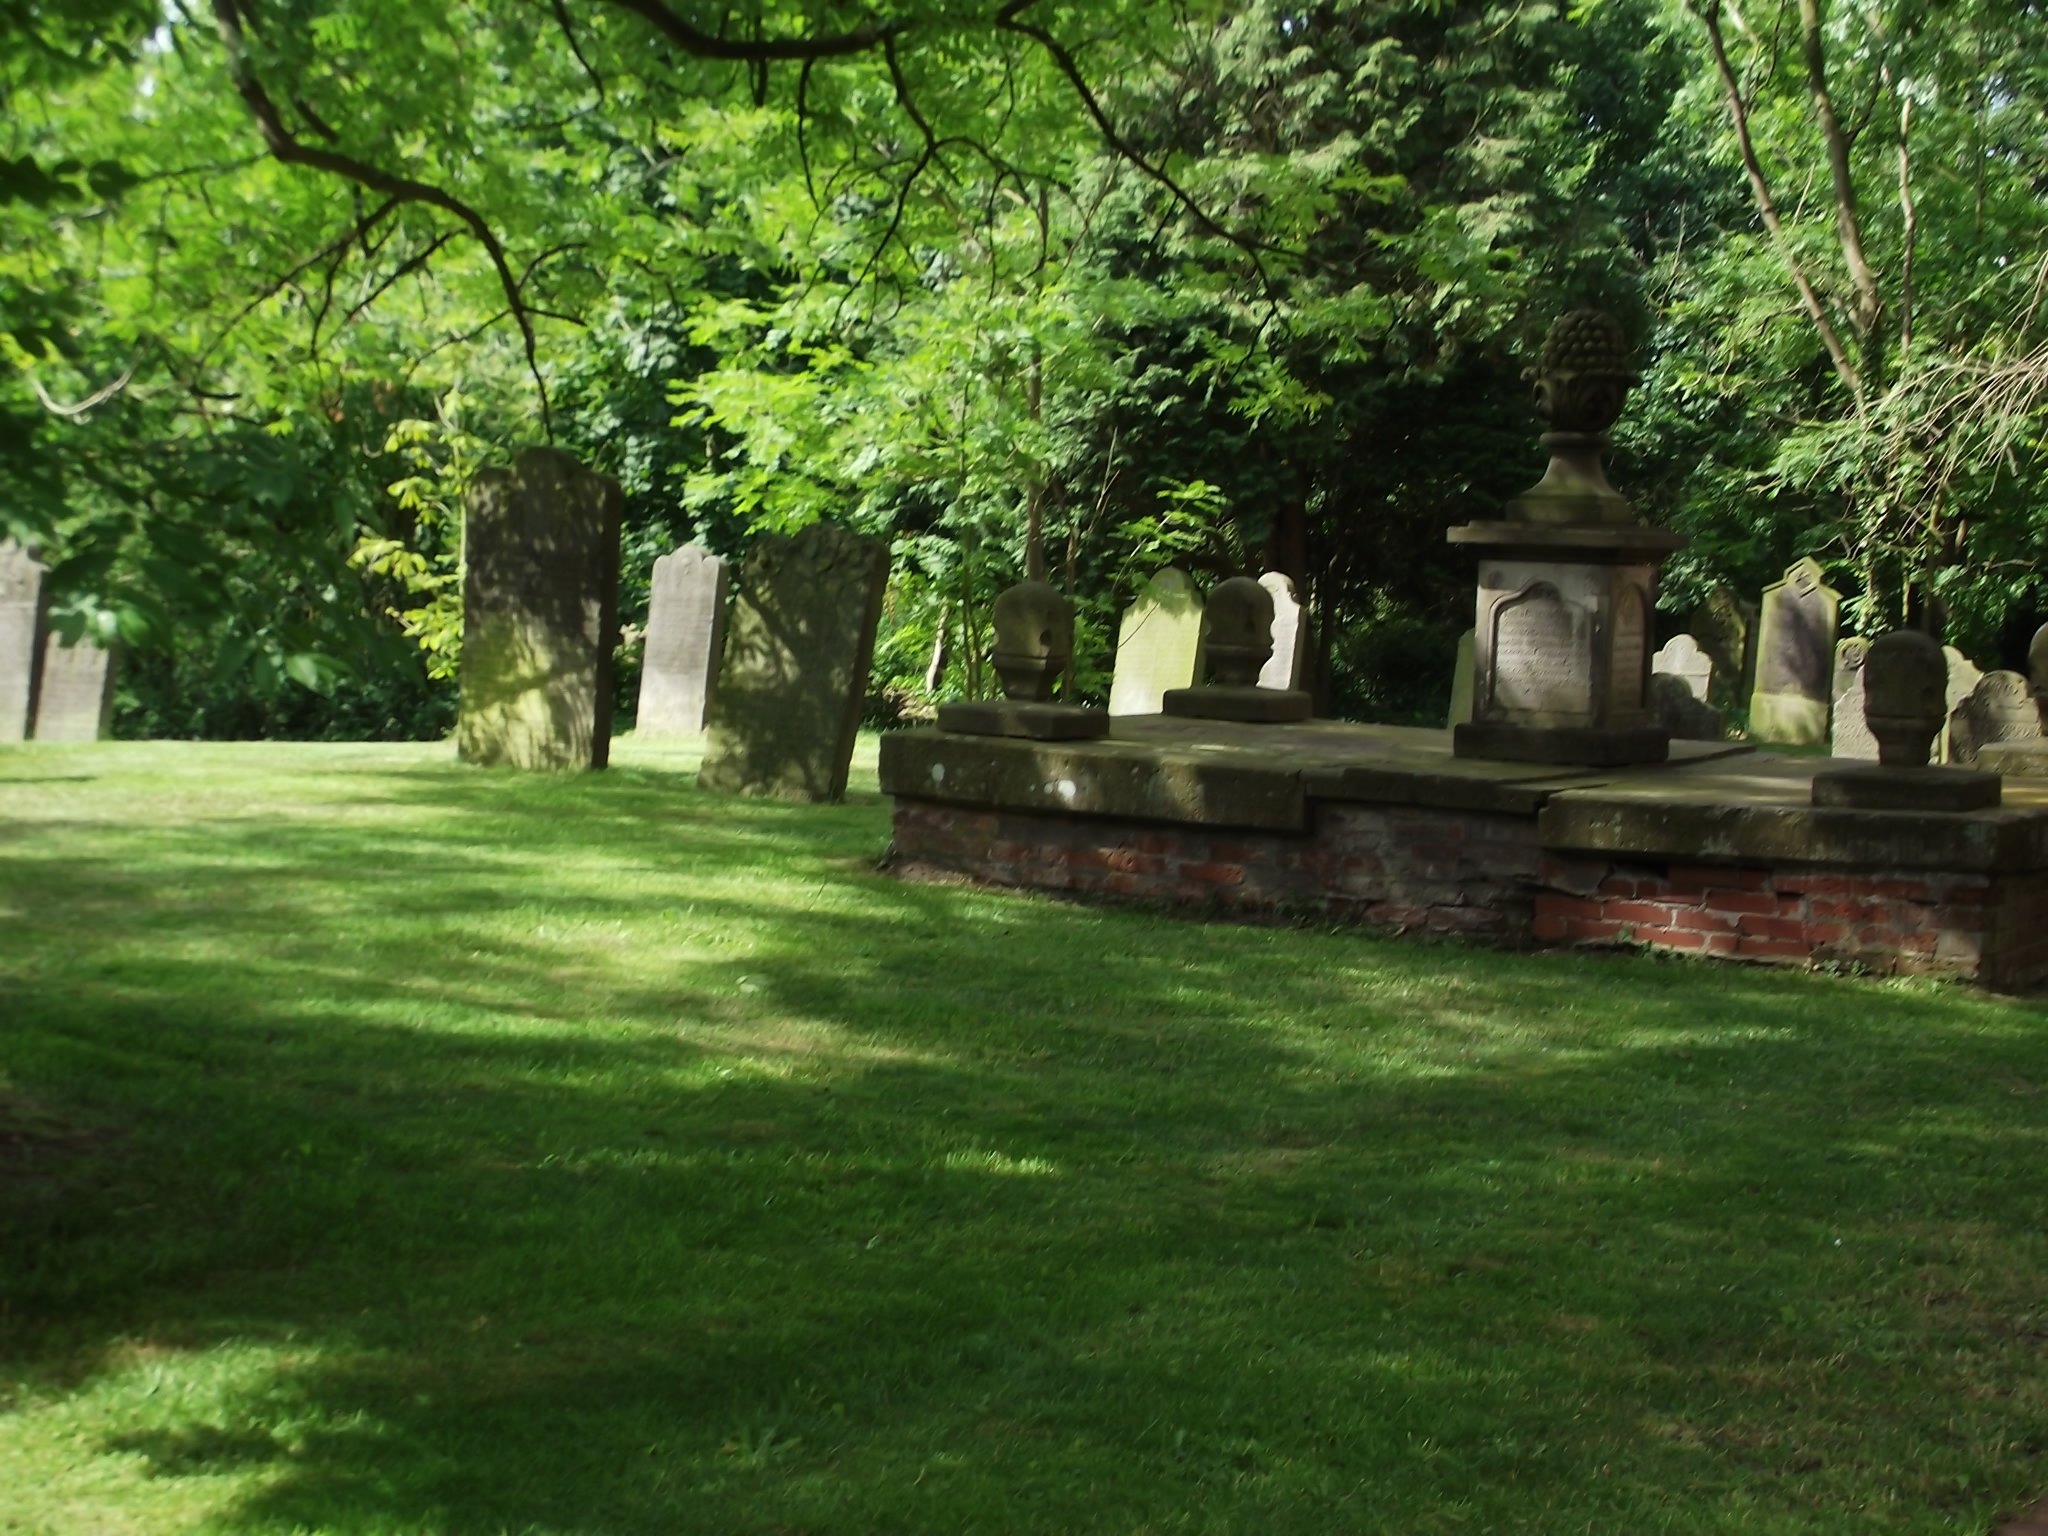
{"x": 1627, "y": 677}
{"x": 1541, "y": 662}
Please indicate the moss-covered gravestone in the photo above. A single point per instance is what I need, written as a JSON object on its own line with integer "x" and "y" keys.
{"x": 1795, "y": 659}
{"x": 21, "y": 638}
{"x": 539, "y": 614}
{"x": 795, "y": 672}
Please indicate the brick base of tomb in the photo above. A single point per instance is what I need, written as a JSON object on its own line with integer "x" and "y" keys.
{"x": 1715, "y": 858}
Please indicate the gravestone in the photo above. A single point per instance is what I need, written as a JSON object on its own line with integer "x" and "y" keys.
{"x": 1681, "y": 679}
{"x": 76, "y": 699}
{"x": 1725, "y": 627}
{"x": 2001, "y": 710}
{"x": 1795, "y": 658}
{"x": 1283, "y": 668}
{"x": 1159, "y": 645}
{"x": 539, "y": 615}
{"x": 795, "y": 674}
{"x": 685, "y": 635}
{"x": 1963, "y": 678}
{"x": 21, "y": 632}
{"x": 1849, "y": 733}
{"x": 1461, "y": 682}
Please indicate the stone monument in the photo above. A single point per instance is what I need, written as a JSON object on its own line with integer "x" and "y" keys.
{"x": 1568, "y": 581}
{"x": 21, "y": 637}
{"x": 1034, "y": 625}
{"x": 2000, "y": 710}
{"x": 2022, "y": 758}
{"x": 1159, "y": 645}
{"x": 539, "y": 615}
{"x": 1963, "y": 678}
{"x": 1848, "y": 733}
{"x": 1904, "y": 679}
{"x": 1237, "y": 641}
{"x": 1795, "y": 656}
{"x": 1283, "y": 669}
{"x": 685, "y": 636}
{"x": 795, "y": 674}
{"x": 76, "y": 699}
{"x": 1681, "y": 683}
{"x": 1461, "y": 682}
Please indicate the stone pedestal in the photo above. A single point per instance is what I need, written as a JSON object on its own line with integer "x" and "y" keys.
{"x": 1561, "y": 649}
{"x": 1024, "y": 717}
{"x": 1249, "y": 705}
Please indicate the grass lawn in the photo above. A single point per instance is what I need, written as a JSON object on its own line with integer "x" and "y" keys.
{"x": 388, "y": 1146}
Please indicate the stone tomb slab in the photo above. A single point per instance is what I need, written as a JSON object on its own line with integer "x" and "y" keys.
{"x": 685, "y": 637}
{"x": 21, "y": 633}
{"x": 794, "y": 679}
{"x": 539, "y": 614}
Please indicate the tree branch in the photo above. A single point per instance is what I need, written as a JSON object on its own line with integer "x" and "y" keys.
{"x": 569, "y": 36}
{"x": 1910, "y": 219}
{"x": 1868, "y": 304}
{"x": 287, "y": 148}
{"x": 704, "y": 45}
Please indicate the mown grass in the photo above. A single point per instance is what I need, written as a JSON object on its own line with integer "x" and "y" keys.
{"x": 387, "y": 1146}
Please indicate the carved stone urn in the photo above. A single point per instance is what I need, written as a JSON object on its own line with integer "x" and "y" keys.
{"x": 1568, "y": 581}
{"x": 1034, "y": 625}
{"x": 1905, "y": 701}
{"x": 1237, "y": 640}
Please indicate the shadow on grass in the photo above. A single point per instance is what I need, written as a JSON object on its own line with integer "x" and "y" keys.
{"x": 600, "y": 1156}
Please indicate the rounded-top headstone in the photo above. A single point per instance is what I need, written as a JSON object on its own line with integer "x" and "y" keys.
{"x": 2037, "y": 658}
{"x": 1237, "y": 628}
{"x": 1905, "y": 678}
{"x": 1034, "y": 625}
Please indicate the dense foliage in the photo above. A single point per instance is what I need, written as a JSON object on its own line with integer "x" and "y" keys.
{"x": 1073, "y": 288}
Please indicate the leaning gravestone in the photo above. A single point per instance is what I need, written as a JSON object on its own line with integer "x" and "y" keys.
{"x": 787, "y": 707}
{"x": 76, "y": 699}
{"x": 685, "y": 634}
{"x": 1290, "y": 635}
{"x": 1159, "y": 646}
{"x": 539, "y": 615}
{"x": 1681, "y": 686}
{"x": 1461, "y": 681}
{"x": 1795, "y": 655}
{"x": 21, "y": 631}
{"x": 1849, "y": 733}
{"x": 2000, "y": 711}
{"x": 1725, "y": 627}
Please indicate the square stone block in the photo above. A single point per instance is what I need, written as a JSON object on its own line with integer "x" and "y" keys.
{"x": 1256, "y": 706}
{"x": 1013, "y": 717}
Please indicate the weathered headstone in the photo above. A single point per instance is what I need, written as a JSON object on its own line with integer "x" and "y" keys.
{"x": 685, "y": 636}
{"x": 1725, "y": 627}
{"x": 1461, "y": 682}
{"x": 76, "y": 699}
{"x": 2000, "y": 710}
{"x": 1681, "y": 678}
{"x": 1963, "y": 677}
{"x": 1848, "y": 732}
{"x": 1903, "y": 676}
{"x": 1159, "y": 645}
{"x": 21, "y": 634}
{"x": 1683, "y": 657}
{"x": 790, "y": 689}
{"x": 1290, "y": 636}
{"x": 539, "y": 614}
{"x": 1795, "y": 656}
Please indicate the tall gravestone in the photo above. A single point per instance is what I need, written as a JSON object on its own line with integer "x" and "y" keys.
{"x": 685, "y": 637}
{"x": 76, "y": 699}
{"x": 1681, "y": 682}
{"x": 1159, "y": 645}
{"x": 1283, "y": 668}
{"x": 1795, "y": 658}
{"x": 1725, "y": 627}
{"x": 790, "y": 689}
{"x": 539, "y": 614}
{"x": 1963, "y": 677}
{"x": 21, "y": 634}
{"x": 1848, "y": 732}
{"x": 1461, "y": 682}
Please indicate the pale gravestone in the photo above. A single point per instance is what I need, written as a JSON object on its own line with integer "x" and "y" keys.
{"x": 1963, "y": 678}
{"x": 76, "y": 699}
{"x": 1849, "y": 733}
{"x": 1795, "y": 657}
{"x": 685, "y": 636}
{"x": 539, "y": 614}
{"x": 1159, "y": 645}
{"x": 1461, "y": 682}
{"x": 1725, "y": 627}
{"x": 1290, "y": 635}
{"x": 2000, "y": 711}
{"x": 790, "y": 689}
{"x": 1681, "y": 679}
{"x": 21, "y": 634}
{"x": 1542, "y": 658}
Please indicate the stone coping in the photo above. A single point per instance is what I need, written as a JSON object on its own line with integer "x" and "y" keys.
{"x": 1711, "y": 801}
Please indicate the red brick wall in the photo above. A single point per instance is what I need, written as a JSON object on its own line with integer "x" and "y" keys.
{"x": 1482, "y": 873}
